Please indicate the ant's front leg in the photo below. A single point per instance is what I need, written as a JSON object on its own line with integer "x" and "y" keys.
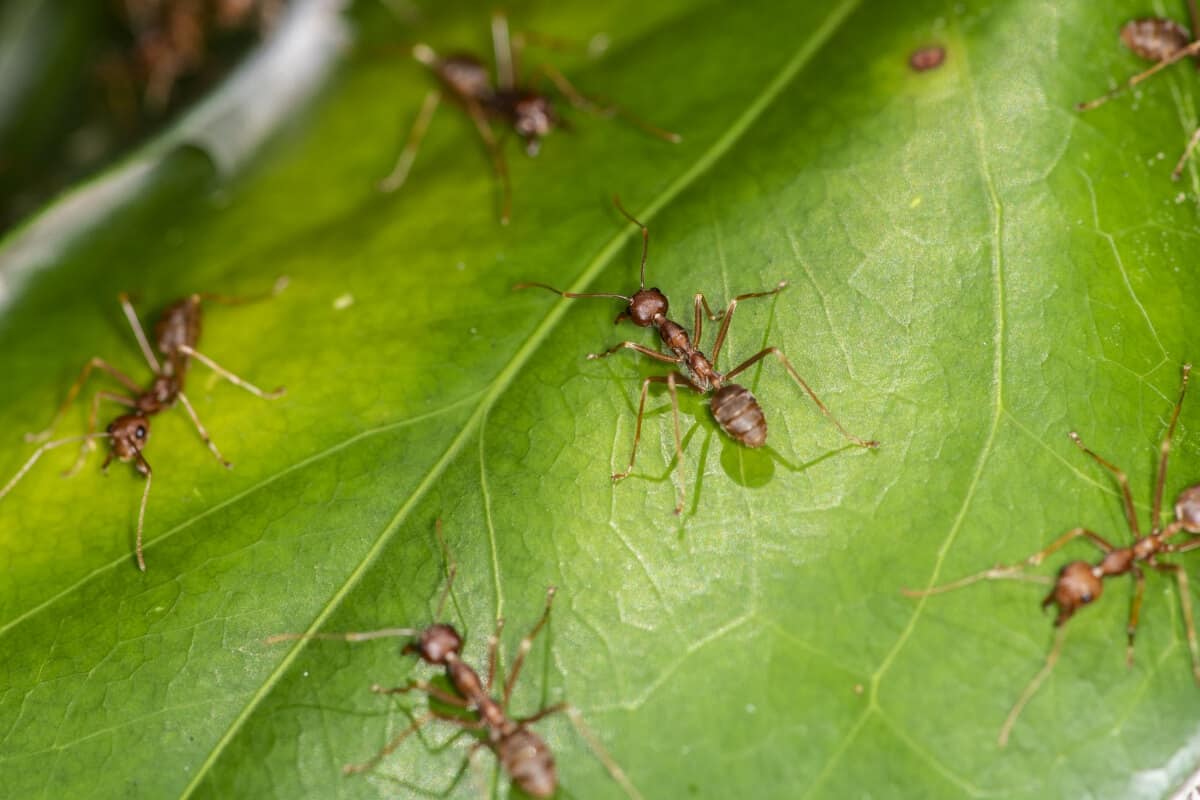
{"x": 646, "y": 351}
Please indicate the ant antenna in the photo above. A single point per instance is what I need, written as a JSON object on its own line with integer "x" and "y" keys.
{"x": 645, "y": 236}
{"x": 571, "y": 295}
{"x": 1032, "y": 688}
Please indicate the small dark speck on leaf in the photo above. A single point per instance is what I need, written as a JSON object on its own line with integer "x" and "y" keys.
{"x": 927, "y": 58}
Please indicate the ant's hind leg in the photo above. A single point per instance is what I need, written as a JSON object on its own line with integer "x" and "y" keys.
{"x": 598, "y": 750}
{"x": 274, "y": 394}
{"x": 1185, "y": 603}
{"x": 498, "y": 164}
{"x": 775, "y": 351}
{"x": 601, "y": 108}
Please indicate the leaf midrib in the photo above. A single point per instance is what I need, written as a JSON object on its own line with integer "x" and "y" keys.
{"x": 532, "y": 343}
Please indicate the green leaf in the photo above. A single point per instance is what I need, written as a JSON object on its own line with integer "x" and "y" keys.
{"x": 975, "y": 269}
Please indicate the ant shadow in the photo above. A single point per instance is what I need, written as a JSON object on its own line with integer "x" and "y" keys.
{"x": 751, "y": 468}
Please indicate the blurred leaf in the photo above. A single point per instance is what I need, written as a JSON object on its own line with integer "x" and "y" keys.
{"x": 974, "y": 269}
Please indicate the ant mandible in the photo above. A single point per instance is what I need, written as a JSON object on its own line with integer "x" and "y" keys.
{"x": 734, "y": 408}
{"x": 529, "y": 112}
{"x": 1080, "y": 583}
{"x": 176, "y": 333}
{"x": 1164, "y": 41}
{"x": 521, "y": 752}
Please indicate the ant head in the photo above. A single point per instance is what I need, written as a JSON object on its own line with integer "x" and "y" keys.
{"x": 129, "y": 435}
{"x": 645, "y": 306}
{"x": 1187, "y": 509}
{"x": 533, "y": 117}
{"x": 1077, "y": 585}
{"x": 437, "y": 643}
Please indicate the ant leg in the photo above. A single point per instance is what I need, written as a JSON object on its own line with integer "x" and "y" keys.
{"x": 728, "y": 316}
{"x": 95, "y": 363}
{"x": 1032, "y": 688}
{"x": 427, "y": 688}
{"x": 229, "y": 376}
{"x": 493, "y": 649}
{"x": 139, "y": 333}
{"x": 204, "y": 437}
{"x": 637, "y": 431}
{"x": 603, "y": 109}
{"x": 775, "y": 351}
{"x": 1185, "y": 602}
{"x": 501, "y": 168}
{"x": 38, "y": 454}
{"x": 524, "y": 647}
{"x": 1014, "y": 571}
{"x": 1122, "y": 481}
{"x": 399, "y": 174}
{"x": 1165, "y": 448}
{"x": 353, "y": 636}
{"x": 598, "y": 750}
{"x": 678, "y": 443}
{"x": 1138, "y": 591}
{"x": 503, "y": 50}
{"x": 1180, "y": 54}
{"x": 1177, "y": 173}
{"x": 89, "y": 444}
{"x": 646, "y": 351}
{"x": 389, "y": 748}
{"x": 143, "y": 467}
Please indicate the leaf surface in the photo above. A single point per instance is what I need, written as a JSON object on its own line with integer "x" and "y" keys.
{"x": 974, "y": 270}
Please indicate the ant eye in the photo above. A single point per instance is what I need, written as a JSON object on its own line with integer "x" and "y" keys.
{"x": 1086, "y": 597}
{"x": 141, "y": 432}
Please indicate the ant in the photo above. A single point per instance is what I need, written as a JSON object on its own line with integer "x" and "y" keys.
{"x": 1164, "y": 41}
{"x": 733, "y": 406}
{"x": 527, "y": 110}
{"x": 523, "y": 754}
{"x": 1080, "y": 583}
{"x": 176, "y": 334}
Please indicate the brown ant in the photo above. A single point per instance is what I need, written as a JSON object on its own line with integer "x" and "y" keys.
{"x": 528, "y": 111}
{"x": 522, "y": 754}
{"x": 1080, "y": 583}
{"x": 176, "y": 334}
{"x": 1164, "y": 41}
{"x": 733, "y": 407}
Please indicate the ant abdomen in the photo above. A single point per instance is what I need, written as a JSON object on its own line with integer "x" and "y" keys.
{"x": 1187, "y": 509}
{"x": 739, "y": 415}
{"x": 464, "y": 75}
{"x": 1154, "y": 38}
{"x": 529, "y": 761}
